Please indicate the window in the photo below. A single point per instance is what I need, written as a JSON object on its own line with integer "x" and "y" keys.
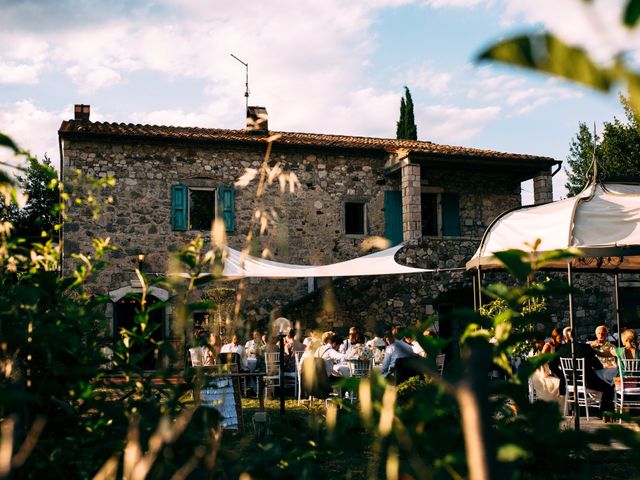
{"x": 355, "y": 218}
{"x": 202, "y": 209}
{"x": 440, "y": 213}
{"x": 195, "y": 208}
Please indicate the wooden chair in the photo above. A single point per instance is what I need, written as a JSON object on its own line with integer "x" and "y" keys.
{"x": 585, "y": 397}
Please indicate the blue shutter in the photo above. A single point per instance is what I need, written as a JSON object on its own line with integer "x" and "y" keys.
{"x": 227, "y": 207}
{"x": 179, "y": 195}
{"x": 393, "y": 216}
{"x": 450, "y": 215}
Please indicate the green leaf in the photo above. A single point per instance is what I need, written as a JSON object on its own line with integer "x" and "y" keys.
{"x": 6, "y": 141}
{"x": 546, "y": 53}
{"x": 631, "y": 13}
{"x": 514, "y": 262}
{"x": 511, "y": 452}
{"x": 560, "y": 254}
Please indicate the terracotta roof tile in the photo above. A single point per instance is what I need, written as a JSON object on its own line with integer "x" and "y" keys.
{"x": 75, "y": 128}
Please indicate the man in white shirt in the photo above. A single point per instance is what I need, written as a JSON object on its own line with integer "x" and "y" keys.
{"x": 395, "y": 349}
{"x": 255, "y": 345}
{"x": 235, "y": 347}
{"x": 332, "y": 358}
{"x": 350, "y": 341}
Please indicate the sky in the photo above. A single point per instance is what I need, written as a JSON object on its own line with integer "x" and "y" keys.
{"x": 318, "y": 66}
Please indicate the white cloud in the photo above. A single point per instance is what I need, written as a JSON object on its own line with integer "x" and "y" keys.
{"x": 595, "y": 25}
{"x": 25, "y": 122}
{"x": 22, "y": 63}
{"x": 456, "y": 3}
{"x": 18, "y": 73}
{"x": 427, "y": 79}
{"x": 450, "y": 125}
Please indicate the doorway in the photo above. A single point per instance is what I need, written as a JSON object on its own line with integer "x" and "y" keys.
{"x": 124, "y": 317}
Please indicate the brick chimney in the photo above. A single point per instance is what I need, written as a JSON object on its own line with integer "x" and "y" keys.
{"x": 81, "y": 112}
{"x": 257, "y": 121}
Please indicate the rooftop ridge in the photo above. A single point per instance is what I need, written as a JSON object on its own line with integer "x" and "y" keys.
{"x": 286, "y": 138}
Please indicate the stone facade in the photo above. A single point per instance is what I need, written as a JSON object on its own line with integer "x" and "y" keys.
{"x": 310, "y": 226}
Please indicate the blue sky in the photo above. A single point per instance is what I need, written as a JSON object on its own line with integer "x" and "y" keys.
{"x": 334, "y": 66}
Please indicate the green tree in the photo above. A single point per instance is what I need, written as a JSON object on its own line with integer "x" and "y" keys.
{"x": 617, "y": 151}
{"x": 579, "y": 160}
{"x": 406, "y": 127}
{"x": 37, "y": 215}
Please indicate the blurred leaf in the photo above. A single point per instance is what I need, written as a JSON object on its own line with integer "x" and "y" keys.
{"x": 550, "y": 256}
{"x": 631, "y": 13}
{"x": 546, "y": 53}
{"x": 511, "y": 453}
{"x": 514, "y": 261}
{"x": 6, "y": 141}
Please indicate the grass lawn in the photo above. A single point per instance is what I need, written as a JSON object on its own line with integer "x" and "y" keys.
{"x": 298, "y": 446}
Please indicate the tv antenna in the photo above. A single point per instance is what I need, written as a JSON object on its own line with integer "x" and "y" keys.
{"x": 246, "y": 92}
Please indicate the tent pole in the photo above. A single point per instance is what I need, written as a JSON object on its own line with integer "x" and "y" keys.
{"x": 475, "y": 298}
{"x": 617, "y": 288}
{"x": 576, "y": 408}
{"x": 479, "y": 288}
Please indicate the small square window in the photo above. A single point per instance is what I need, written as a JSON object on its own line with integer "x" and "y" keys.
{"x": 355, "y": 218}
{"x": 202, "y": 209}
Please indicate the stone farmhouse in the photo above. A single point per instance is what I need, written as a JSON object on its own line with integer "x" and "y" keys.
{"x": 173, "y": 181}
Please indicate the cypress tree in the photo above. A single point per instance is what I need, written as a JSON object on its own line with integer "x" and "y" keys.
{"x": 406, "y": 127}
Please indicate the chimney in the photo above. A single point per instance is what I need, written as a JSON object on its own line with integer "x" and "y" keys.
{"x": 81, "y": 112}
{"x": 257, "y": 121}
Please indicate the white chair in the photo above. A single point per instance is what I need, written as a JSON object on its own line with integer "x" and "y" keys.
{"x": 585, "y": 397}
{"x": 628, "y": 389}
{"x": 272, "y": 370}
{"x": 195, "y": 354}
{"x": 359, "y": 369}
{"x": 532, "y": 391}
{"x": 440, "y": 363}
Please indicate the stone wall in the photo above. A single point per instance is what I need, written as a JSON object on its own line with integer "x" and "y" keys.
{"x": 309, "y": 229}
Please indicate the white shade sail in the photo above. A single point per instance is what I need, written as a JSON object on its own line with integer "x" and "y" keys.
{"x": 238, "y": 265}
{"x": 603, "y": 221}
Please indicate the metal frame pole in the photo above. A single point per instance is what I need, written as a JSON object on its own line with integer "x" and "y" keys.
{"x": 617, "y": 289}
{"x": 479, "y": 288}
{"x": 475, "y": 298}
{"x": 576, "y": 408}
{"x": 281, "y": 336}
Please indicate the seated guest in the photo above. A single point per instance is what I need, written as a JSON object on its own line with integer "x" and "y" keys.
{"x": 395, "y": 349}
{"x": 255, "y": 346}
{"x": 415, "y": 346}
{"x": 332, "y": 357}
{"x": 210, "y": 352}
{"x": 313, "y": 335}
{"x": 291, "y": 346}
{"x": 235, "y": 347}
{"x": 591, "y": 365}
{"x": 359, "y": 349}
{"x": 351, "y": 340}
{"x": 606, "y": 354}
{"x": 629, "y": 350}
{"x": 554, "y": 342}
{"x": 545, "y": 384}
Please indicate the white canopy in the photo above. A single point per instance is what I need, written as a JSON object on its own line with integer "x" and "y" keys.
{"x": 603, "y": 221}
{"x": 238, "y": 265}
